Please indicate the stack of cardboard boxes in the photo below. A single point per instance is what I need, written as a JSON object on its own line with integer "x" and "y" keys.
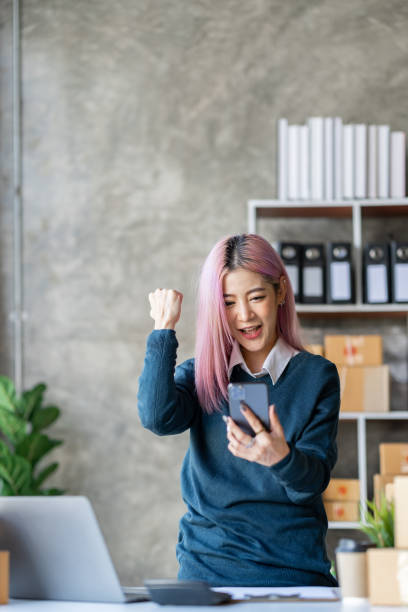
{"x": 388, "y": 567}
{"x": 364, "y": 379}
{"x": 341, "y": 499}
{"x": 393, "y": 462}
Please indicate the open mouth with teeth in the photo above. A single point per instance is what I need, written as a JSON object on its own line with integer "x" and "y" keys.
{"x": 251, "y": 332}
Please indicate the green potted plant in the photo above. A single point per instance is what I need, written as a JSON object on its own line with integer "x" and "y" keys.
{"x": 382, "y": 559}
{"x": 378, "y": 522}
{"x": 23, "y": 442}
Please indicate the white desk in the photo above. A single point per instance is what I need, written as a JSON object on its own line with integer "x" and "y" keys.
{"x": 20, "y": 605}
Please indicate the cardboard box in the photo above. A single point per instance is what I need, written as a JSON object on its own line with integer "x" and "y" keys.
{"x": 394, "y": 458}
{"x": 347, "y": 489}
{"x": 354, "y": 350}
{"x": 364, "y": 389}
{"x": 342, "y": 510}
{"x": 4, "y": 576}
{"x": 386, "y": 568}
{"x": 316, "y": 349}
{"x": 380, "y": 482}
{"x": 389, "y": 492}
{"x": 401, "y": 512}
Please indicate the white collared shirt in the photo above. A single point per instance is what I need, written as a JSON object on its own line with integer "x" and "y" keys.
{"x": 274, "y": 364}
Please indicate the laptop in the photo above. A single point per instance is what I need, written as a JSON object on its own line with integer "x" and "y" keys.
{"x": 58, "y": 552}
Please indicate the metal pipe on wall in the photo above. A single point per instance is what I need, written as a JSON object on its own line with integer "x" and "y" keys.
{"x": 17, "y": 313}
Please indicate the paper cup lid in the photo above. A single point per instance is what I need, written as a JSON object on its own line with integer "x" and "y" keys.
{"x": 349, "y": 545}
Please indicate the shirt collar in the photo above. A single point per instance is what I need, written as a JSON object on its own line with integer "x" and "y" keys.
{"x": 274, "y": 364}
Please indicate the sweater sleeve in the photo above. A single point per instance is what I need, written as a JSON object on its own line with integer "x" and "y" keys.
{"x": 305, "y": 471}
{"x": 167, "y": 402}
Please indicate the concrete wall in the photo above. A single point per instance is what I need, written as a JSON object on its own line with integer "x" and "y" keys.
{"x": 147, "y": 126}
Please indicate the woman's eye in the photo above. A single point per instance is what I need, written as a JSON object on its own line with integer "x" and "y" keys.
{"x": 228, "y": 303}
{"x": 258, "y": 297}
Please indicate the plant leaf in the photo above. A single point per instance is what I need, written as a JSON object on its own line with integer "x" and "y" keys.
{"x": 12, "y": 426}
{"x": 44, "y": 417}
{"x": 4, "y": 450}
{"x": 32, "y": 400}
{"x": 7, "y": 394}
{"x": 44, "y": 474}
{"x": 35, "y": 446}
{"x": 53, "y": 491}
{"x": 28, "y": 490}
{"x": 16, "y": 471}
{"x": 5, "y": 489}
{"x": 371, "y": 533}
{"x": 378, "y": 523}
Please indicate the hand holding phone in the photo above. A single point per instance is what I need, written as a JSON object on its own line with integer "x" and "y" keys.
{"x": 255, "y": 396}
{"x": 270, "y": 446}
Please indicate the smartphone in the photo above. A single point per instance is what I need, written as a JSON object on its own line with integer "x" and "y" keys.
{"x": 255, "y": 396}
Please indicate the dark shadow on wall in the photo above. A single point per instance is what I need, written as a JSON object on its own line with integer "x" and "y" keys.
{"x": 6, "y": 189}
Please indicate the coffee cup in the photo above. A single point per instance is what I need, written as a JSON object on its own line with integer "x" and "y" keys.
{"x": 352, "y": 567}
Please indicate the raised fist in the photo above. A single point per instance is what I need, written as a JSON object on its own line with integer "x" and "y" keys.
{"x": 165, "y": 308}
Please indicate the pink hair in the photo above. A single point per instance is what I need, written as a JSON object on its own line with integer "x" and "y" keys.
{"x": 213, "y": 339}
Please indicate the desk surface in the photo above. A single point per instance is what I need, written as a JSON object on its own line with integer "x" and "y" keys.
{"x": 20, "y": 605}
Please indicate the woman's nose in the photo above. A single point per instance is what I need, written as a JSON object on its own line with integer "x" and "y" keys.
{"x": 244, "y": 312}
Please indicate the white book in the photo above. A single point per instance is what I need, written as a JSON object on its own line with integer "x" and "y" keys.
{"x": 397, "y": 165}
{"x": 372, "y": 161}
{"x": 338, "y": 158}
{"x": 316, "y": 159}
{"x": 348, "y": 162}
{"x": 304, "y": 162}
{"x": 293, "y": 162}
{"x": 328, "y": 159}
{"x": 360, "y": 160}
{"x": 282, "y": 159}
{"x": 383, "y": 158}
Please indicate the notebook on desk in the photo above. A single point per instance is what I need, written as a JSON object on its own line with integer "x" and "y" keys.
{"x": 58, "y": 552}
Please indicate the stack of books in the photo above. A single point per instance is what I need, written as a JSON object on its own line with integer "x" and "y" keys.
{"x": 326, "y": 159}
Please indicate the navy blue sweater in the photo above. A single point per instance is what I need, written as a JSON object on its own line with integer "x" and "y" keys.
{"x": 247, "y": 524}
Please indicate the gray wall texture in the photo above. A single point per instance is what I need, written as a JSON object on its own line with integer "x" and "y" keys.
{"x": 146, "y": 128}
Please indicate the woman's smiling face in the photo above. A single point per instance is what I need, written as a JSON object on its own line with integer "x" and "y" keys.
{"x": 251, "y": 305}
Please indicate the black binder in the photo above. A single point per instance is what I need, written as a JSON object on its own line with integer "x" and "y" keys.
{"x": 291, "y": 255}
{"x": 376, "y": 273}
{"x": 313, "y": 274}
{"x": 399, "y": 271}
{"x": 340, "y": 286}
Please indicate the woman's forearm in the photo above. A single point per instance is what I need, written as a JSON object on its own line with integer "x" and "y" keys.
{"x": 165, "y": 407}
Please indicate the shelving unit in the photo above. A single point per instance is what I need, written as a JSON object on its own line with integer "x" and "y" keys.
{"x": 356, "y": 210}
{"x": 361, "y": 418}
{"x": 340, "y": 209}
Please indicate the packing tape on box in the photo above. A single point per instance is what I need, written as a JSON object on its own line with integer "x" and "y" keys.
{"x": 402, "y": 576}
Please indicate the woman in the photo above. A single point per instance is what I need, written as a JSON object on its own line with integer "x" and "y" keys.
{"x": 254, "y": 509}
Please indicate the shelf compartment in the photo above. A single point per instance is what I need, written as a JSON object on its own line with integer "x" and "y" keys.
{"x": 332, "y": 212}
{"x": 392, "y": 415}
{"x": 384, "y": 210}
{"x": 329, "y": 208}
{"x": 353, "y": 310}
